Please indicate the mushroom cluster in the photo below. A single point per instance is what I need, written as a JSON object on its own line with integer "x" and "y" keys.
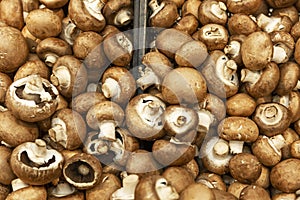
{"x": 210, "y": 109}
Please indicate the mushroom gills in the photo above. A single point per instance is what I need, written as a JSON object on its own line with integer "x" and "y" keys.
{"x": 219, "y": 9}
{"x": 80, "y": 172}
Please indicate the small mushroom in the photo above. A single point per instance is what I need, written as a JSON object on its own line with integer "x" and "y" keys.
{"x": 212, "y": 180}
{"x": 281, "y": 196}
{"x": 5, "y": 82}
{"x": 31, "y": 40}
{"x": 290, "y": 11}
{"x": 220, "y": 74}
{"x": 268, "y": 150}
{"x": 297, "y": 51}
{"x": 34, "y": 164}
{"x": 29, "y": 5}
{"x": 50, "y": 49}
{"x": 197, "y": 191}
{"x": 241, "y": 104}
{"x": 241, "y": 24}
{"x": 118, "y": 84}
{"x": 82, "y": 170}
{"x": 127, "y": 191}
{"x": 87, "y": 14}
{"x": 144, "y": 115}
{"x": 190, "y": 86}
{"x": 295, "y": 149}
{"x": 254, "y": 192}
{"x": 192, "y": 167}
{"x": 43, "y": 23}
{"x": 12, "y": 13}
{"x": 246, "y": 7}
{"x": 105, "y": 117}
{"x": 32, "y": 98}
{"x": 7, "y": 174}
{"x": 190, "y": 7}
{"x": 284, "y": 177}
{"x": 54, "y": 4}
{"x": 164, "y": 14}
{"x": 263, "y": 82}
{"x": 14, "y": 49}
{"x": 32, "y": 67}
{"x": 272, "y": 118}
{"x": 257, "y": 50}
{"x": 274, "y": 23}
{"x": 69, "y": 76}
{"x": 69, "y": 31}
{"x": 118, "y": 12}
{"x": 188, "y": 23}
{"x": 245, "y": 168}
{"x": 283, "y": 46}
{"x": 212, "y": 11}
{"x": 84, "y": 101}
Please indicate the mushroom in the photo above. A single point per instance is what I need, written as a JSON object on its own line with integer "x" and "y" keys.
{"x": 280, "y": 196}
{"x": 118, "y": 13}
{"x": 32, "y": 98}
{"x": 178, "y": 177}
{"x": 233, "y": 49}
{"x": 241, "y": 24}
{"x": 105, "y": 117}
{"x": 155, "y": 187}
{"x": 29, "y": 5}
{"x": 5, "y": 82}
{"x": 118, "y": 48}
{"x": 127, "y": 191}
{"x": 290, "y": 11}
{"x": 247, "y": 7}
{"x": 262, "y": 82}
{"x": 191, "y": 54}
{"x": 7, "y": 174}
{"x": 168, "y": 41}
{"x": 268, "y": 150}
{"x": 173, "y": 152}
{"x": 254, "y": 192}
{"x": 257, "y": 50}
{"x": 192, "y": 167}
{"x": 190, "y": 7}
{"x": 87, "y": 15}
{"x": 211, "y": 180}
{"x": 215, "y": 155}
{"x": 297, "y": 51}
{"x": 212, "y": 11}
{"x": 264, "y": 178}
{"x": 214, "y": 36}
{"x": 12, "y": 13}
{"x": 188, "y": 23}
{"x": 281, "y": 4}
{"x": 144, "y": 115}
{"x": 43, "y": 23}
{"x": 241, "y": 104}
{"x": 245, "y": 168}
{"x": 84, "y": 101}
{"x": 82, "y": 170}
{"x": 236, "y": 188}
{"x": 190, "y": 86}
{"x": 197, "y": 191}
{"x": 295, "y": 31}
{"x": 14, "y": 49}
{"x": 273, "y": 23}
{"x": 69, "y": 76}
{"x": 107, "y": 185}
{"x": 34, "y": 164}
{"x": 295, "y": 149}
{"x": 62, "y": 190}
{"x": 178, "y": 3}
{"x": 67, "y": 128}
{"x": 69, "y": 31}
{"x": 271, "y": 118}
{"x": 54, "y": 4}
{"x": 31, "y": 40}
{"x": 14, "y": 131}
{"x": 220, "y": 74}
{"x": 4, "y": 191}
{"x": 223, "y": 195}
{"x": 32, "y": 67}
{"x": 163, "y": 15}
{"x": 50, "y": 49}
{"x": 284, "y": 177}
{"x": 290, "y": 136}
{"x": 118, "y": 84}
{"x": 283, "y": 46}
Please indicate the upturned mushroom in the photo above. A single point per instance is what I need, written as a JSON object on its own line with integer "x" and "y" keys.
{"x": 233, "y": 49}
{"x": 144, "y": 115}
{"x": 220, "y": 74}
{"x": 69, "y": 31}
{"x": 105, "y": 117}
{"x": 155, "y": 187}
{"x": 246, "y": 7}
{"x": 82, "y": 170}
{"x": 118, "y": 13}
{"x": 212, "y": 11}
{"x": 127, "y": 191}
{"x": 69, "y": 75}
{"x": 118, "y": 84}
{"x": 272, "y": 118}
{"x": 32, "y": 98}
{"x": 12, "y": 17}
{"x": 50, "y": 49}
{"x": 34, "y": 164}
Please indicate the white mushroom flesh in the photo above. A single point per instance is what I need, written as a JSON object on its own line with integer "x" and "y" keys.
{"x": 107, "y": 130}
{"x": 62, "y": 189}
{"x": 50, "y": 59}
{"x": 123, "y": 18}
{"x": 219, "y": 10}
{"x": 111, "y": 89}
{"x": 279, "y": 54}
{"x": 147, "y": 79}
{"x": 127, "y": 191}
{"x": 269, "y": 24}
{"x": 248, "y": 76}
{"x": 58, "y": 131}
{"x": 277, "y": 142}
{"x": 236, "y": 146}
{"x": 69, "y": 31}
{"x": 155, "y": 7}
{"x": 226, "y": 71}
{"x": 94, "y": 7}
{"x": 206, "y": 119}
{"x": 213, "y": 32}
{"x": 232, "y": 50}
{"x": 124, "y": 42}
{"x": 61, "y": 77}
{"x": 34, "y": 86}
{"x": 165, "y": 191}
{"x": 18, "y": 184}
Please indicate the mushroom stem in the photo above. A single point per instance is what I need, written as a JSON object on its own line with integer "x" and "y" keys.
{"x": 123, "y": 17}
{"x": 232, "y": 49}
{"x": 283, "y": 100}
{"x": 277, "y": 142}
{"x": 111, "y": 88}
{"x": 128, "y": 189}
{"x": 94, "y": 8}
{"x": 58, "y": 131}
{"x": 61, "y": 77}
{"x": 230, "y": 68}
{"x": 38, "y": 152}
{"x": 34, "y": 90}
{"x": 107, "y": 130}
{"x": 83, "y": 169}
{"x": 268, "y": 24}
{"x": 236, "y": 146}
{"x": 50, "y": 59}
{"x": 250, "y": 76}
{"x": 155, "y": 7}
{"x": 279, "y": 54}
{"x": 18, "y": 184}
{"x": 148, "y": 78}
{"x": 205, "y": 120}
{"x": 218, "y": 9}
{"x": 180, "y": 121}
{"x": 62, "y": 189}
{"x": 221, "y": 148}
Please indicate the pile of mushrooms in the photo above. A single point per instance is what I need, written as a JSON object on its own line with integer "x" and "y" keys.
{"x": 212, "y": 112}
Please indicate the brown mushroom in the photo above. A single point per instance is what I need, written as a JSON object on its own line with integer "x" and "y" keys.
{"x": 84, "y": 101}
{"x": 5, "y": 82}
{"x": 241, "y": 104}
{"x": 188, "y": 23}
{"x": 212, "y": 180}
{"x": 241, "y": 24}
{"x": 273, "y": 23}
{"x": 7, "y": 174}
{"x": 32, "y": 67}
{"x": 236, "y": 188}
{"x": 281, "y": 4}
{"x": 127, "y": 191}
{"x": 190, "y": 7}
{"x": 295, "y": 31}
{"x": 34, "y": 164}
{"x": 245, "y": 168}
{"x": 246, "y": 7}
{"x": 12, "y": 13}
{"x": 118, "y": 12}
{"x": 223, "y": 195}
{"x": 29, "y": 5}
{"x": 192, "y": 167}
{"x": 212, "y": 11}
{"x": 197, "y": 191}
{"x": 4, "y": 191}
{"x": 69, "y": 31}
{"x": 254, "y": 192}
{"x": 297, "y": 51}
{"x": 54, "y": 4}
{"x": 283, "y": 46}
{"x": 290, "y": 136}
{"x": 264, "y": 178}
{"x": 295, "y": 149}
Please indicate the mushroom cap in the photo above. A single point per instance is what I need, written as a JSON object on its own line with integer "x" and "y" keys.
{"x": 30, "y": 110}
{"x": 241, "y": 24}
{"x": 54, "y": 4}
{"x": 113, "y": 7}
{"x": 12, "y": 13}
{"x": 7, "y": 174}
{"x": 215, "y": 105}
{"x": 32, "y": 67}
{"x": 84, "y": 101}
{"x": 43, "y": 23}
{"x": 238, "y": 128}
{"x": 223, "y": 195}
{"x": 145, "y": 189}
{"x": 190, "y": 7}
{"x": 34, "y": 192}
{"x": 5, "y": 83}
{"x": 210, "y": 12}
{"x": 87, "y": 178}
{"x": 297, "y": 51}
{"x": 254, "y": 192}
{"x": 32, "y": 171}
{"x": 214, "y": 180}
{"x": 15, "y": 47}
{"x": 197, "y": 191}
{"x": 281, "y": 4}
{"x": 184, "y": 85}
{"x": 14, "y": 131}
{"x": 245, "y": 168}
{"x": 246, "y": 7}
{"x": 104, "y": 111}
{"x": 188, "y": 23}
{"x": 284, "y": 176}
{"x": 240, "y": 104}
{"x": 256, "y": 55}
